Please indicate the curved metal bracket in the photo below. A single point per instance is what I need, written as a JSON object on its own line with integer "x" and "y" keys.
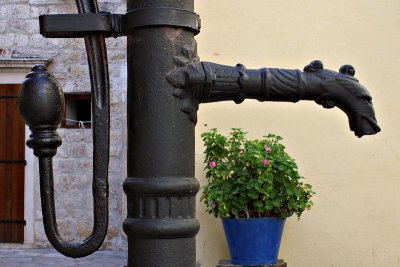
{"x": 162, "y": 16}
{"x": 41, "y": 106}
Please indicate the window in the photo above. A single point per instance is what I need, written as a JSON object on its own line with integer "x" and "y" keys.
{"x": 78, "y": 111}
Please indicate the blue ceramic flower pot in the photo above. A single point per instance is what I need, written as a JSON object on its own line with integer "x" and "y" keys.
{"x": 254, "y": 241}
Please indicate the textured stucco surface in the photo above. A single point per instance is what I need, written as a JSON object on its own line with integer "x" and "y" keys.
{"x": 355, "y": 218}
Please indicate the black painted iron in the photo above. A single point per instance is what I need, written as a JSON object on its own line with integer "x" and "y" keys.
{"x": 40, "y": 85}
{"x": 204, "y": 82}
{"x": 161, "y": 224}
{"x": 165, "y": 78}
{"x": 162, "y": 16}
{"x": 41, "y": 104}
{"x": 80, "y": 25}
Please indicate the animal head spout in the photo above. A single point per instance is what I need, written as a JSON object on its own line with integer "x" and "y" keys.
{"x": 342, "y": 89}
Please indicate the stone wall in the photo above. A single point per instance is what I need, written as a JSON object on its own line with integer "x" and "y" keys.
{"x": 20, "y": 39}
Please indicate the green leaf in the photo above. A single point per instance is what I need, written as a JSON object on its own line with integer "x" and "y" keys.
{"x": 276, "y": 202}
{"x": 253, "y": 195}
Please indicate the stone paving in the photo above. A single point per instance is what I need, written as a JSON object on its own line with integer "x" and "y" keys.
{"x": 50, "y": 257}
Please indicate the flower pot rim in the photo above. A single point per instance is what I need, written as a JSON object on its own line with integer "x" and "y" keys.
{"x": 255, "y": 218}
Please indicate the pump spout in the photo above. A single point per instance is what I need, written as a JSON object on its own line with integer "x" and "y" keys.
{"x": 330, "y": 89}
{"x": 203, "y": 82}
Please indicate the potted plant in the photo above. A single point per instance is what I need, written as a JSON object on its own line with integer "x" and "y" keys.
{"x": 253, "y": 186}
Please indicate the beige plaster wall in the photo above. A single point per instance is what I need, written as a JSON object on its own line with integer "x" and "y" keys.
{"x": 356, "y": 217}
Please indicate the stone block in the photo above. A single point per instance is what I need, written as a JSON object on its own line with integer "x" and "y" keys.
{"x": 66, "y": 182}
{"x": 67, "y": 165}
{"x": 18, "y": 1}
{"x": 5, "y": 11}
{"x": 75, "y": 214}
{"x": 72, "y": 57}
{"x": 36, "y": 11}
{"x": 62, "y": 181}
{"x": 117, "y": 56}
{"x": 66, "y": 8}
{"x": 115, "y": 151}
{"x": 32, "y": 53}
{"x": 76, "y": 43}
{"x": 112, "y": 232}
{"x": 85, "y": 166}
{"x": 116, "y": 165}
{"x": 63, "y": 151}
{"x": 83, "y": 229}
{"x": 118, "y": 43}
{"x": 38, "y": 41}
{"x": 46, "y": 2}
{"x": 21, "y": 40}
{"x": 72, "y": 199}
{"x": 108, "y": 6}
{"x": 7, "y": 40}
{"x": 109, "y": 1}
{"x": 77, "y": 71}
{"x": 32, "y": 25}
{"x": 65, "y": 228}
{"x": 20, "y": 11}
{"x": 16, "y": 25}
{"x": 3, "y": 24}
{"x": 78, "y": 150}
{"x": 57, "y": 43}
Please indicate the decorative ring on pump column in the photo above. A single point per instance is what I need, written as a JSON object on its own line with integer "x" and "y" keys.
{"x": 145, "y": 17}
{"x": 41, "y": 106}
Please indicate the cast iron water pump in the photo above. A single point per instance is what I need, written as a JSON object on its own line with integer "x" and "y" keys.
{"x": 166, "y": 84}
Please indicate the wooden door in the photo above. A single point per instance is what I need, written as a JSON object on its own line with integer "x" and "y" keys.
{"x": 12, "y": 165}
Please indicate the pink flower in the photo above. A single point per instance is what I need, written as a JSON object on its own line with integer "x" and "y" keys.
{"x": 212, "y": 164}
{"x": 265, "y": 162}
{"x": 267, "y": 149}
{"x": 241, "y": 151}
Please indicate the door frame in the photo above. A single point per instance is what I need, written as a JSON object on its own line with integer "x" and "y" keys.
{"x": 13, "y": 71}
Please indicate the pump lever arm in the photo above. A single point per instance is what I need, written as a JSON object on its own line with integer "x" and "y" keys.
{"x": 41, "y": 104}
{"x": 203, "y": 82}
